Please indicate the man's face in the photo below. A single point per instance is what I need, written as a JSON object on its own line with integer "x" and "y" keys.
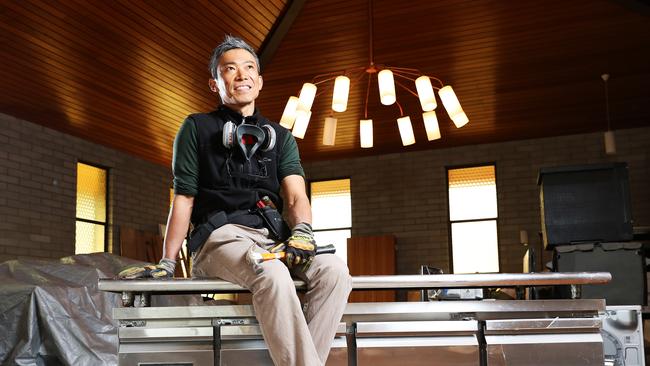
{"x": 238, "y": 80}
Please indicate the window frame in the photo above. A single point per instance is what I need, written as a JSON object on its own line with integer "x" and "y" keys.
{"x": 309, "y": 196}
{"x": 327, "y": 180}
{"x": 106, "y": 203}
{"x": 450, "y": 222}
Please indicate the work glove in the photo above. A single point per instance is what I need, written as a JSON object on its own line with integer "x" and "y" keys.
{"x": 164, "y": 269}
{"x": 300, "y": 248}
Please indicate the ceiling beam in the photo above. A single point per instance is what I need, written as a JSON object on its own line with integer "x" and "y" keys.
{"x": 278, "y": 31}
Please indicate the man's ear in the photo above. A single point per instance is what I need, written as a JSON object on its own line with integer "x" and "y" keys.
{"x": 261, "y": 81}
{"x": 213, "y": 85}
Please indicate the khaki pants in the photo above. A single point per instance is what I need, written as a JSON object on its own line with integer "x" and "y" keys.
{"x": 293, "y": 338}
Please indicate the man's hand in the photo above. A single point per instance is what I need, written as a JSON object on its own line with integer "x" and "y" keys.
{"x": 164, "y": 269}
{"x": 300, "y": 248}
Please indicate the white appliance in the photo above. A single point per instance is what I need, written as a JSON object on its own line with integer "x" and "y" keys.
{"x": 622, "y": 331}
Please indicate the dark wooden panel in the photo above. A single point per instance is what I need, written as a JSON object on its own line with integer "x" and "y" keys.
{"x": 371, "y": 255}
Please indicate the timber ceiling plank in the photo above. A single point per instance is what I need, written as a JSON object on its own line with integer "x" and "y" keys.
{"x": 125, "y": 74}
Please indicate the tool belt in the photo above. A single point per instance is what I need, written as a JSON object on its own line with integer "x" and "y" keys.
{"x": 271, "y": 219}
{"x": 200, "y": 234}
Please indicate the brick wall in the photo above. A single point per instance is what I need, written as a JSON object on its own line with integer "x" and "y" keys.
{"x": 38, "y": 189}
{"x": 405, "y": 194}
{"x": 402, "y": 194}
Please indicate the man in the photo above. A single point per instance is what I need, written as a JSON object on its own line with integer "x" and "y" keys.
{"x": 227, "y": 161}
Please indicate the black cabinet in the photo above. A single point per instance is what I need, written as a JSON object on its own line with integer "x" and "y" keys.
{"x": 587, "y": 203}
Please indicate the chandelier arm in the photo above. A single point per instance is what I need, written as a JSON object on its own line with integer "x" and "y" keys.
{"x": 326, "y": 79}
{"x": 436, "y": 79}
{"x": 401, "y": 111}
{"x": 415, "y": 72}
{"x": 405, "y": 69}
{"x": 332, "y": 75}
{"x": 407, "y": 89}
{"x": 359, "y": 75}
{"x": 351, "y": 73}
{"x": 397, "y": 73}
{"x": 319, "y": 94}
{"x": 327, "y": 74}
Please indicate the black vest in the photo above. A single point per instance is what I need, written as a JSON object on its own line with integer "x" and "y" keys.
{"x": 227, "y": 180}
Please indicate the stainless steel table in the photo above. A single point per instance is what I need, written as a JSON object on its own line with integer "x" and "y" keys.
{"x": 485, "y": 332}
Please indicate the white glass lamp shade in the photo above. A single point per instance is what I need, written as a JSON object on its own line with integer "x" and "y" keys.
{"x": 341, "y": 92}
{"x": 452, "y": 105}
{"x": 365, "y": 129}
{"x": 460, "y": 119}
{"x": 610, "y": 143}
{"x": 406, "y": 130}
{"x": 302, "y": 121}
{"x": 523, "y": 237}
{"x": 386, "y": 87}
{"x": 329, "y": 131}
{"x": 289, "y": 114}
{"x": 425, "y": 93}
{"x": 306, "y": 97}
{"x": 431, "y": 125}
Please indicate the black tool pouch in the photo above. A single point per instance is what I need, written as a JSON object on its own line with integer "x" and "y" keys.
{"x": 274, "y": 222}
{"x": 203, "y": 231}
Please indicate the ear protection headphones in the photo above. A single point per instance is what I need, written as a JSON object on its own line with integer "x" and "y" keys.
{"x": 264, "y": 137}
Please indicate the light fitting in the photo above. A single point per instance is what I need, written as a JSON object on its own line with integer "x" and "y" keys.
{"x": 297, "y": 111}
{"x": 610, "y": 140}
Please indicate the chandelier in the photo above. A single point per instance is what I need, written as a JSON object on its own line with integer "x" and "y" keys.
{"x": 297, "y": 112}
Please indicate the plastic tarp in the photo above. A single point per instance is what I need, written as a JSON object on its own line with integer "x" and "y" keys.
{"x": 51, "y": 312}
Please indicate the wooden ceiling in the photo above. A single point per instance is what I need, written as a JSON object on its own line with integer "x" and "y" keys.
{"x": 126, "y": 73}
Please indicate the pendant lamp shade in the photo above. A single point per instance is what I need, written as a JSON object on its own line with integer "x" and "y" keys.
{"x": 425, "y": 93}
{"x": 431, "y": 125}
{"x": 406, "y": 130}
{"x": 302, "y": 121}
{"x": 340, "y": 94}
{"x": 452, "y": 105}
{"x": 386, "y": 87}
{"x": 329, "y": 131}
{"x": 289, "y": 114}
{"x": 306, "y": 97}
{"x": 610, "y": 143}
{"x": 365, "y": 129}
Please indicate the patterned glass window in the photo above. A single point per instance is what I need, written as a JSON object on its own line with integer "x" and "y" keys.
{"x": 473, "y": 219}
{"x": 91, "y": 209}
{"x": 331, "y": 205}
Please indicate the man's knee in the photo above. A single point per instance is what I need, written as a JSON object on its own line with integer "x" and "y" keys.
{"x": 334, "y": 272}
{"x": 274, "y": 279}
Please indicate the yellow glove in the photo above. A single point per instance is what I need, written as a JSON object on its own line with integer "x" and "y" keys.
{"x": 300, "y": 248}
{"x": 164, "y": 269}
